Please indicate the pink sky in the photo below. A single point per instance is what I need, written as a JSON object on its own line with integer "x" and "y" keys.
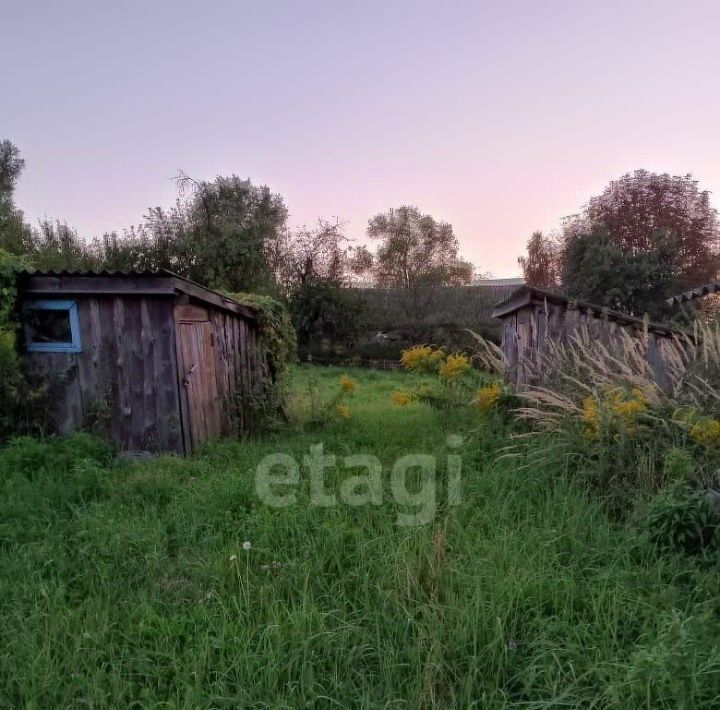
{"x": 497, "y": 117}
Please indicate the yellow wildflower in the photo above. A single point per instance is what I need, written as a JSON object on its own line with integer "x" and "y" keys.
{"x": 422, "y": 358}
{"x": 626, "y": 408}
{"x": 591, "y": 417}
{"x": 486, "y": 397}
{"x": 348, "y": 384}
{"x": 615, "y": 407}
{"x": 706, "y": 432}
{"x": 400, "y": 398}
{"x": 454, "y": 367}
{"x": 343, "y": 411}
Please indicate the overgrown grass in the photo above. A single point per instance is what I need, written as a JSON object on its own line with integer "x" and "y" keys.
{"x": 127, "y": 585}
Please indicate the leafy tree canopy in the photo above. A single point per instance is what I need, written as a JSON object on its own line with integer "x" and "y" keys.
{"x": 540, "y": 266}
{"x": 415, "y": 250}
{"x": 13, "y": 230}
{"x": 596, "y": 270}
{"x": 646, "y": 237}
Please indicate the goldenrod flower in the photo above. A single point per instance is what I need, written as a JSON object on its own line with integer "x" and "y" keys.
{"x": 400, "y": 398}
{"x": 454, "y": 367}
{"x": 615, "y": 407}
{"x": 706, "y": 432}
{"x": 486, "y": 397}
{"x": 348, "y": 384}
{"x": 422, "y": 358}
{"x": 343, "y": 411}
{"x": 591, "y": 417}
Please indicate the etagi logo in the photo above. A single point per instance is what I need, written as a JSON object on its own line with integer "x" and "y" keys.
{"x": 413, "y": 481}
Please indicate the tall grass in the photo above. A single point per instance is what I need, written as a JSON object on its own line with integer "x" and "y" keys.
{"x": 128, "y": 585}
{"x": 616, "y": 412}
{"x": 566, "y": 370}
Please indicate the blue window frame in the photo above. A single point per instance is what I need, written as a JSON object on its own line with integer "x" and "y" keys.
{"x": 52, "y": 327}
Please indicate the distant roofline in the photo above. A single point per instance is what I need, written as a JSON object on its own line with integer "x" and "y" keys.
{"x": 511, "y": 281}
{"x": 693, "y": 293}
{"x": 527, "y": 295}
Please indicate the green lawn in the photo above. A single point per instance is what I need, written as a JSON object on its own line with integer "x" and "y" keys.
{"x": 127, "y": 585}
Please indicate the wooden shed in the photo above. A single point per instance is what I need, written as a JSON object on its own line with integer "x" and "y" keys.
{"x": 155, "y": 361}
{"x": 532, "y": 317}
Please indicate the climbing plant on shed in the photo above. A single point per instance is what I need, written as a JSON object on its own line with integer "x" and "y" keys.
{"x": 280, "y": 343}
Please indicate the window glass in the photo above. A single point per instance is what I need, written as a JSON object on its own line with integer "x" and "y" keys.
{"x": 51, "y": 326}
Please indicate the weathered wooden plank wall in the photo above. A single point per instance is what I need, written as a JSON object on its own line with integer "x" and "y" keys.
{"x": 124, "y": 381}
{"x": 527, "y": 332}
{"x": 128, "y": 380}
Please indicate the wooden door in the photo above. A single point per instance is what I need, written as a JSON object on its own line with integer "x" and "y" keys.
{"x": 198, "y": 378}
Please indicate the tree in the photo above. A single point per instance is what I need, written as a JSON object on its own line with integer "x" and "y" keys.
{"x": 320, "y": 308}
{"x": 306, "y": 255}
{"x": 416, "y": 253}
{"x": 13, "y": 230}
{"x": 311, "y": 267}
{"x": 641, "y": 212}
{"x": 219, "y": 233}
{"x": 595, "y": 269}
{"x": 641, "y": 207}
{"x": 57, "y": 246}
{"x": 11, "y": 166}
{"x": 540, "y": 266}
{"x": 227, "y": 232}
{"x": 415, "y": 250}
{"x": 659, "y": 233}
{"x": 318, "y": 254}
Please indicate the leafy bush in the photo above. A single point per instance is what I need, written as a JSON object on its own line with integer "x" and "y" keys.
{"x": 679, "y": 465}
{"x": 9, "y": 267}
{"x": 325, "y": 310}
{"x": 19, "y": 402}
{"x": 682, "y": 518}
{"x": 276, "y": 329}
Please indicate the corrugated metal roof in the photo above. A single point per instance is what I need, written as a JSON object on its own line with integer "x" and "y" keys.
{"x": 179, "y": 284}
{"x": 693, "y": 293}
{"x": 104, "y": 272}
{"x": 492, "y": 291}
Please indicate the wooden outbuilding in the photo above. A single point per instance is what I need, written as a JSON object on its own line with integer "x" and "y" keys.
{"x": 155, "y": 361}
{"x": 533, "y": 317}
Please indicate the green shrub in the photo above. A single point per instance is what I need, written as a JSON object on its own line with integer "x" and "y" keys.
{"x": 10, "y": 265}
{"x": 678, "y": 465}
{"x": 682, "y": 518}
{"x": 15, "y": 393}
{"x": 327, "y": 311}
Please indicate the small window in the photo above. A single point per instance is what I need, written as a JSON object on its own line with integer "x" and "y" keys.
{"x": 52, "y": 327}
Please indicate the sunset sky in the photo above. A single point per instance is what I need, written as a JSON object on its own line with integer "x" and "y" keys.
{"x": 498, "y": 117}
